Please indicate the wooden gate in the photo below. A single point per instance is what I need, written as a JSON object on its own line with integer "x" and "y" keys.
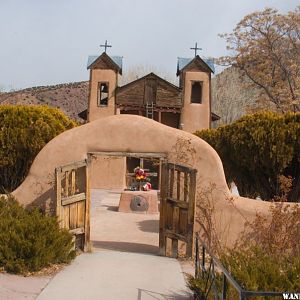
{"x": 177, "y": 209}
{"x": 73, "y": 201}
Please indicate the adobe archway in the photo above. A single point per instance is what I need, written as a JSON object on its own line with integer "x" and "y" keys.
{"x": 130, "y": 133}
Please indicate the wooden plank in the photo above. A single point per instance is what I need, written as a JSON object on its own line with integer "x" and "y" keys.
{"x": 77, "y": 231}
{"x": 181, "y": 168}
{"x": 161, "y": 160}
{"x": 80, "y": 213}
{"x": 87, "y": 242}
{"x": 186, "y": 187}
{"x": 152, "y": 174}
{"x": 58, "y": 196}
{"x": 191, "y": 214}
{"x": 75, "y": 165}
{"x": 142, "y": 163}
{"x": 131, "y": 154}
{"x": 163, "y": 202}
{"x": 138, "y": 108}
{"x": 171, "y": 188}
{"x": 73, "y": 199}
{"x": 178, "y": 184}
{"x": 169, "y": 216}
{"x": 183, "y": 216}
{"x": 174, "y": 248}
{"x": 73, "y": 216}
{"x": 73, "y": 182}
{"x": 67, "y": 173}
{"x": 66, "y": 211}
{"x": 175, "y": 230}
{"x": 172, "y": 235}
{"x": 178, "y": 203}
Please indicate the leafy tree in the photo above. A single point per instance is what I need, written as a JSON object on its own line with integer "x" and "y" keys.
{"x": 25, "y": 130}
{"x": 265, "y": 47}
{"x": 256, "y": 150}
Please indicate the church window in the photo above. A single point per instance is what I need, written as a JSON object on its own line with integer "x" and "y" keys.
{"x": 196, "y": 94}
{"x": 102, "y": 94}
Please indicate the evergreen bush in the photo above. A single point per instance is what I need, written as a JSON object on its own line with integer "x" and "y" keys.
{"x": 25, "y": 130}
{"x": 254, "y": 270}
{"x": 256, "y": 150}
{"x": 30, "y": 241}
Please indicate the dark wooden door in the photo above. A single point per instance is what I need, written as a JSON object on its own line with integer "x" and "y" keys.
{"x": 73, "y": 201}
{"x": 177, "y": 209}
{"x": 150, "y": 90}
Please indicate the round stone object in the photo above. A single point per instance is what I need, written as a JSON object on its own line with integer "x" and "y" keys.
{"x": 139, "y": 203}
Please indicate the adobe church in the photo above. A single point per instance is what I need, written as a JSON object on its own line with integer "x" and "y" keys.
{"x": 186, "y": 107}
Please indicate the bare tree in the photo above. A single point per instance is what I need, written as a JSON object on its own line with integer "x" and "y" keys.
{"x": 265, "y": 47}
{"x": 137, "y": 71}
{"x": 233, "y": 96}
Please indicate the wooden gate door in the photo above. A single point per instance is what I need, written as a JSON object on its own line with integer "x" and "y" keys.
{"x": 177, "y": 209}
{"x": 73, "y": 201}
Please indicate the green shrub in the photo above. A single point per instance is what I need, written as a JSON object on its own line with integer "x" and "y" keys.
{"x": 256, "y": 150}
{"x": 254, "y": 270}
{"x": 257, "y": 270}
{"x": 25, "y": 130}
{"x": 29, "y": 240}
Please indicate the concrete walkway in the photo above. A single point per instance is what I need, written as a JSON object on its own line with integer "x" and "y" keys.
{"x": 14, "y": 287}
{"x": 131, "y": 271}
{"x": 118, "y": 275}
{"x": 123, "y": 265}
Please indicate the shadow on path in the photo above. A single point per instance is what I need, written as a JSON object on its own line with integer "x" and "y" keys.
{"x": 125, "y": 247}
{"x": 149, "y": 226}
{"x": 111, "y": 207}
{"x": 142, "y": 293}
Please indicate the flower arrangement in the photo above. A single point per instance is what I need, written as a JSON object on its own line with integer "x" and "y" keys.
{"x": 142, "y": 177}
{"x": 140, "y": 174}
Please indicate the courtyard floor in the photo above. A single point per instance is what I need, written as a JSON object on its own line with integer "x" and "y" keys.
{"x": 113, "y": 230}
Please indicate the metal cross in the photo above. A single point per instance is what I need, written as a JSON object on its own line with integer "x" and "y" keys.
{"x": 105, "y": 46}
{"x": 196, "y": 48}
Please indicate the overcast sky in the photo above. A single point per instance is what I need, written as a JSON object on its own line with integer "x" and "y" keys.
{"x": 47, "y": 42}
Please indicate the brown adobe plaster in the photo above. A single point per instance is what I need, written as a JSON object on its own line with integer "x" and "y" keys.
{"x": 133, "y": 133}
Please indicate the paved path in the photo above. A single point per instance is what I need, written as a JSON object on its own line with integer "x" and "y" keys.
{"x": 131, "y": 271}
{"x": 118, "y": 275}
{"x": 14, "y": 287}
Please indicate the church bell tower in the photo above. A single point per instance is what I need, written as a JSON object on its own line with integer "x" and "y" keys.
{"x": 104, "y": 70}
{"x": 195, "y": 82}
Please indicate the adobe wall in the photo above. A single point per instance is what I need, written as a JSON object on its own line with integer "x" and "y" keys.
{"x": 108, "y": 172}
{"x": 115, "y": 133}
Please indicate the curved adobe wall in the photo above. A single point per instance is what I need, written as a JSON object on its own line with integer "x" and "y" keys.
{"x": 138, "y": 134}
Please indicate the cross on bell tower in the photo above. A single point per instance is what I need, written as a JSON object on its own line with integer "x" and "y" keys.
{"x": 196, "y": 48}
{"x": 105, "y": 46}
